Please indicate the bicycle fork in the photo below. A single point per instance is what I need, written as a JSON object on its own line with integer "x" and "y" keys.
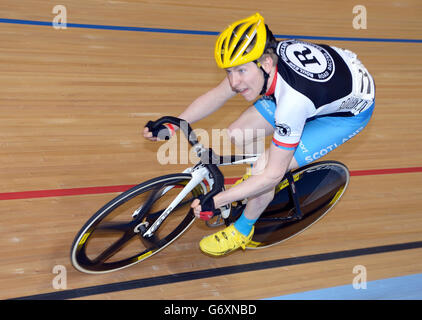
{"x": 198, "y": 175}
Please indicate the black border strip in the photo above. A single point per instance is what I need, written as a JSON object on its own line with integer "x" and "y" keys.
{"x": 209, "y": 273}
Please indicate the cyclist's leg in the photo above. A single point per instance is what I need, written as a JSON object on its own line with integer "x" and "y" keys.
{"x": 322, "y": 135}
{"x": 258, "y": 116}
{"x": 250, "y": 129}
{"x": 257, "y": 204}
{"x": 266, "y": 109}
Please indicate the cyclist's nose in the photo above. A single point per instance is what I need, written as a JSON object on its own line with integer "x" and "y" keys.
{"x": 234, "y": 80}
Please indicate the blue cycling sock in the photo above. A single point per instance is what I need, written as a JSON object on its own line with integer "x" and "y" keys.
{"x": 244, "y": 225}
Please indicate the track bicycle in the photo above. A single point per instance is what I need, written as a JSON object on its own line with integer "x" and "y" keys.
{"x": 147, "y": 218}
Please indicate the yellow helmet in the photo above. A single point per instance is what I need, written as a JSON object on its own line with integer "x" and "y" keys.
{"x": 242, "y": 42}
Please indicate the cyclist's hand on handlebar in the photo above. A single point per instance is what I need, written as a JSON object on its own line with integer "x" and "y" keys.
{"x": 163, "y": 132}
{"x": 148, "y": 135}
{"x": 204, "y": 211}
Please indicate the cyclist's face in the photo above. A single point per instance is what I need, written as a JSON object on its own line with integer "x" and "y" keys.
{"x": 246, "y": 79}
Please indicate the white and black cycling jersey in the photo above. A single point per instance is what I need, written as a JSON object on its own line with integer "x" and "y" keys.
{"x": 314, "y": 80}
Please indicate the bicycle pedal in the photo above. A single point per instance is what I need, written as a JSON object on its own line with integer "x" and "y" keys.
{"x": 219, "y": 221}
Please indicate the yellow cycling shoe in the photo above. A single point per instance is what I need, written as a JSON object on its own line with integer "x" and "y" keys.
{"x": 225, "y": 241}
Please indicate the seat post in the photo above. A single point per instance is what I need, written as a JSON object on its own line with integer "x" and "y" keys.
{"x": 293, "y": 193}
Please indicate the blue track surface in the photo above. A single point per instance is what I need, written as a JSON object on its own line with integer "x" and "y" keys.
{"x": 399, "y": 288}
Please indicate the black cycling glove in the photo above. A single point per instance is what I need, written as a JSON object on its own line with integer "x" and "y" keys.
{"x": 208, "y": 209}
{"x": 163, "y": 132}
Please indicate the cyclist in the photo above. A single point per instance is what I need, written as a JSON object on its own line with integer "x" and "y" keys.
{"x": 314, "y": 97}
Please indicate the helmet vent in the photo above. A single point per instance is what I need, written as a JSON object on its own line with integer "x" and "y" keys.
{"x": 245, "y": 41}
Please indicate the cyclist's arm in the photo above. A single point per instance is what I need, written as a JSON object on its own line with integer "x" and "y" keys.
{"x": 203, "y": 106}
{"x": 278, "y": 162}
{"x": 208, "y": 103}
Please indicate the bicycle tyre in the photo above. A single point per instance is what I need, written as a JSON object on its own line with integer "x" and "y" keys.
{"x": 98, "y": 225}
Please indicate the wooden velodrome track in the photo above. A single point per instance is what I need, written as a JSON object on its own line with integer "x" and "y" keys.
{"x": 73, "y": 103}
